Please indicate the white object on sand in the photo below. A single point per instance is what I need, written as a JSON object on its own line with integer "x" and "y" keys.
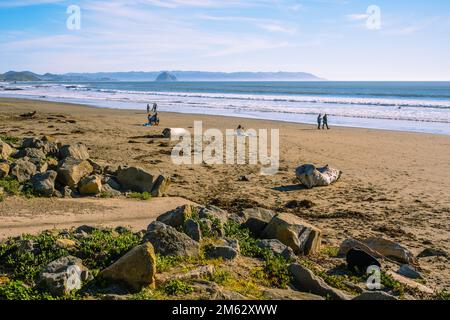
{"x": 311, "y": 177}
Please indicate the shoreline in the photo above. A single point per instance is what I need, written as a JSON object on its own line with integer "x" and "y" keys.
{"x": 244, "y": 117}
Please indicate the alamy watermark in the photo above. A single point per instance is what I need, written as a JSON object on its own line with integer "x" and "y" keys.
{"x": 73, "y": 22}
{"x": 237, "y": 146}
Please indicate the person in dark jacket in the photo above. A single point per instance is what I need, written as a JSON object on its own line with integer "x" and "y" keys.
{"x": 319, "y": 121}
{"x": 325, "y": 122}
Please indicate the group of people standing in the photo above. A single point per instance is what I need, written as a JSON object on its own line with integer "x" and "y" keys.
{"x": 322, "y": 122}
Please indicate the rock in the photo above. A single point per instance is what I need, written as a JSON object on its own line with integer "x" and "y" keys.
{"x": 86, "y": 229}
{"x": 32, "y": 153}
{"x": 213, "y": 213}
{"x": 66, "y": 192}
{"x": 227, "y": 250}
{"x": 77, "y": 151}
{"x": 311, "y": 177}
{"x": 277, "y": 248}
{"x": 305, "y": 280}
{"x": 288, "y": 294}
{"x": 177, "y": 217}
{"x": 90, "y": 185}
{"x": 5, "y": 150}
{"x": 410, "y": 283}
{"x": 256, "y": 220}
{"x": 44, "y": 183}
{"x": 379, "y": 247}
{"x": 198, "y": 273}
{"x": 23, "y": 170}
{"x": 296, "y": 204}
{"x": 107, "y": 180}
{"x": 169, "y": 242}
{"x": 135, "y": 179}
{"x": 32, "y": 143}
{"x": 111, "y": 169}
{"x": 136, "y": 269}
{"x": 300, "y": 236}
{"x": 374, "y": 295}
{"x": 97, "y": 168}
{"x": 192, "y": 229}
{"x": 110, "y": 192}
{"x": 65, "y": 243}
{"x": 359, "y": 260}
{"x": 431, "y": 252}
{"x": 409, "y": 272}
{"x": 160, "y": 186}
{"x": 63, "y": 275}
{"x": 72, "y": 171}
{"x": 4, "y": 169}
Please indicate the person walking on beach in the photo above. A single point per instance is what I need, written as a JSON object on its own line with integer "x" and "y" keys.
{"x": 155, "y": 106}
{"x": 148, "y": 108}
{"x": 319, "y": 121}
{"x": 325, "y": 122}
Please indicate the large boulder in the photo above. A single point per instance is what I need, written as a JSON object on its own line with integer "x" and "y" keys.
{"x": 44, "y": 183}
{"x": 76, "y": 151}
{"x": 177, "y": 217}
{"x": 311, "y": 177}
{"x": 4, "y": 169}
{"x": 23, "y": 170}
{"x": 63, "y": 275}
{"x": 135, "y": 179}
{"x": 305, "y": 280}
{"x": 160, "y": 186}
{"x": 226, "y": 249}
{"x": 90, "y": 185}
{"x": 256, "y": 219}
{"x": 379, "y": 247}
{"x": 5, "y": 150}
{"x": 300, "y": 236}
{"x": 71, "y": 171}
{"x": 169, "y": 242}
{"x": 136, "y": 269}
{"x": 359, "y": 260}
{"x": 36, "y": 154}
{"x": 192, "y": 229}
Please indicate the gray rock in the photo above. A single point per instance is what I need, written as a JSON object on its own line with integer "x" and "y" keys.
{"x": 33, "y": 153}
{"x": 167, "y": 241}
{"x": 77, "y": 151}
{"x": 374, "y": 295}
{"x": 110, "y": 192}
{"x": 256, "y": 219}
{"x": 277, "y": 248}
{"x": 71, "y": 171}
{"x": 63, "y": 275}
{"x": 192, "y": 229}
{"x": 23, "y": 170}
{"x": 135, "y": 179}
{"x": 160, "y": 186}
{"x": 305, "y": 280}
{"x": 432, "y": 252}
{"x": 409, "y": 272}
{"x": 97, "y": 168}
{"x": 227, "y": 250}
{"x": 107, "y": 180}
{"x": 177, "y": 217}
{"x": 32, "y": 143}
{"x": 311, "y": 177}
{"x": 44, "y": 183}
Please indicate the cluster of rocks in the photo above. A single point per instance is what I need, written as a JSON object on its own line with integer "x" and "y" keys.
{"x": 60, "y": 170}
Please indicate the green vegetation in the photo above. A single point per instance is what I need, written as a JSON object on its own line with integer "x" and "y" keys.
{"x": 9, "y": 139}
{"x": 10, "y": 185}
{"x": 176, "y": 287}
{"x": 140, "y": 195}
{"x": 165, "y": 263}
{"x": 246, "y": 242}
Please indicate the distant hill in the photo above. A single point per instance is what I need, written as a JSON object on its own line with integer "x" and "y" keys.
{"x": 168, "y": 75}
{"x": 165, "y": 77}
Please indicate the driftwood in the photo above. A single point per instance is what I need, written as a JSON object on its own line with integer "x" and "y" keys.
{"x": 311, "y": 177}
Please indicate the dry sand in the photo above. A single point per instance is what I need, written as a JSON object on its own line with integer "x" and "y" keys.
{"x": 395, "y": 184}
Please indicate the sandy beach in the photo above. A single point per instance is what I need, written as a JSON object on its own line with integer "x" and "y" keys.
{"x": 394, "y": 184}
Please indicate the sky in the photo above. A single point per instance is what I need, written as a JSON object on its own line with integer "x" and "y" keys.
{"x": 333, "y": 39}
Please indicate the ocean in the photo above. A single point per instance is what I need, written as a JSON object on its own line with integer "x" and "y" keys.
{"x": 403, "y": 106}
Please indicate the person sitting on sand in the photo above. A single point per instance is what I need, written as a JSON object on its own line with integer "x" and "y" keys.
{"x": 153, "y": 119}
{"x": 319, "y": 121}
{"x": 325, "y": 122}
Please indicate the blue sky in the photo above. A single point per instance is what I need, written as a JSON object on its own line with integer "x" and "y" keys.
{"x": 329, "y": 38}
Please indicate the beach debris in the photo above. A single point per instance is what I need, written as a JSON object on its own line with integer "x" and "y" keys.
{"x": 90, "y": 185}
{"x": 374, "y": 295}
{"x": 77, "y": 151}
{"x": 71, "y": 171}
{"x": 5, "y": 150}
{"x": 379, "y": 247}
{"x": 28, "y": 115}
{"x": 63, "y": 275}
{"x": 23, "y": 170}
{"x": 136, "y": 269}
{"x": 305, "y": 280}
{"x": 277, "y": 248}
{"x": 432, "y": 252}
{"x": 167, "y": 241}
{"x": 409, "y": 272}
{"x": 4, "y": 169}
{"x": 311, "y": 177}
{"x": 256, "y": 219}
{"x": 359, "y": 260}
{"x": 300, "y": 236}
{"x": 44, "y": 183}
